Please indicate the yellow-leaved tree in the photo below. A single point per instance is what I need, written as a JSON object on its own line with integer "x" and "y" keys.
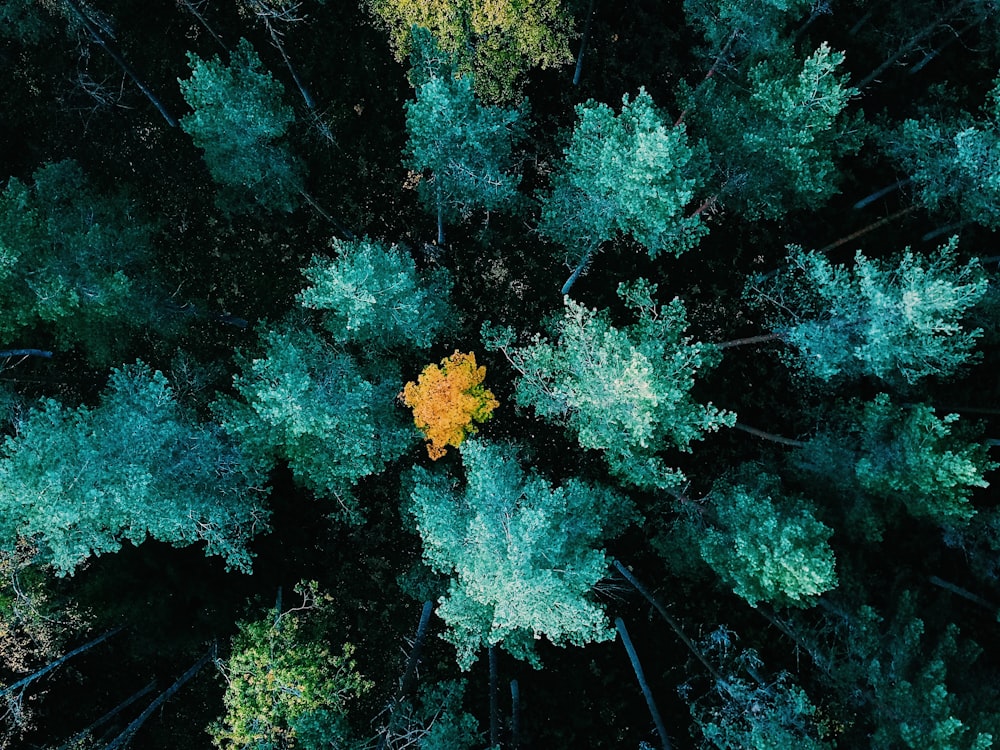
{"x": 447, "y": 399}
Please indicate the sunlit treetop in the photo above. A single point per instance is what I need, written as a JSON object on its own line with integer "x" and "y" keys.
{"x": 447, "y": 400}
{"x": 498, "y": 40}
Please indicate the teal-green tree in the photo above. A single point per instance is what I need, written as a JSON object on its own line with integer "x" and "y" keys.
{"x": 623, "y": 390}
{"x": 766, "y": 544}
{"x": 311, "y": 405}
{"x": 80, "y": 482}
{"x": 434, "y": 720}
{"x": 954, "y": 162}
{"x": 629, "y": 174}
{"x": 898, "y": 319}
{"x": 523, "y": 556}
{"x": 776, "y": 139}
{"x": 462, "y": 148}
{"x": 907, "y": 681}
{"x": 745, "y": 30}
{"x": 372, "y": 296}
{"x": 241, "y": 124}
{"x": 744, "y": 707}
{"x": 73, "y": 265}
{"x": 286, "y": 687}
{"x": 904, "y": 458}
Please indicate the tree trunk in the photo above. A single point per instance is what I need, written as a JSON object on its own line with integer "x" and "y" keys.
{"x": 345, "y": 233}
{"x": 123, "y": 739}
{"x": 440, "y": 217}
{"x": 576, "y": 273}
{"x": 669, "y": 620}
{"x": 770, "y": 436}
{"x": 865, "y": 230}
{"x": 494, "y": 699}
{"x": 194, "y": 12}
{"x": 761, "y": 339}
{"x": 77, "y": 739}
{"x": 882, "y": 192}
{"x": 583, "y": 44}
{"x": 96, "y": 36}
{"x": 515, "y": 715}
{"x": 25, "y": 681}
{"x": 965, "y": 594}
{"x": 406, "y": 684}
{"x": 643, "y": 685}
{"x": 25, "y": 353}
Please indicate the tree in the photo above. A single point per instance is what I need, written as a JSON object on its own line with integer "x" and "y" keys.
{"x": 434, "y": 720}
{"x": 625, "y": 390}
{"x": 80, "y": 482}
{"x": 240, "y": 122}
{"x": 522, "y": 555}
{"x": 628, "y": 174}
{"x": 775, "y": 139}
{"x": 371, "y": 295}
{"x": 742, "y": 709}
{"x": 906, "y": 458}
{"x": 464, "y": 145}
{"x": 899, "y": 320}
{"x": 745, "y": 29}
{"x": 497, "y": 40}
{"x": 766, "y": 545}
{"x": 954, "y": 162}
{"x": 447, "y": 400}
{"x": 73, "y": 264}
{"x": 307, "y": 403}
{"x": 285, "y": 686}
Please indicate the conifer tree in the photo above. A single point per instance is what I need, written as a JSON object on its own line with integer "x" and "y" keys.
{"x": 776, "y": 139}
{"x": 241, "y": 123}
{"x": 81, "y": 482}
{"x": 767, "y": 545}
{"x": 372, "y": 296}
{"x": 464, "y": 147}
{"x": 623, "y": 390}
{"x": 73, "y": 264}
{"x": 313, "y": 406}
{"x": 628, "y": 174}
{"x": 522, "y": 554}
{"x": 954, "y": 162}
{"x": 899, "y": 320}
{"x": 902, "y": 458}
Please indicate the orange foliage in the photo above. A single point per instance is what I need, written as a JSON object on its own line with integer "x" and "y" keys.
{"x": 446, "y": 399}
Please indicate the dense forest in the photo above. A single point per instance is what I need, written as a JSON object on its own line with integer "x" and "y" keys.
{"x": 499, "y": 374}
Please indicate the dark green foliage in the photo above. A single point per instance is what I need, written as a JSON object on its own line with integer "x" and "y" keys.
{"x": 767, "y": 545}
{"x": 623, "y": 390}
{"x": 625, "y": 174}
{"x": 81, "y": 482}
{"x": 371, "y": 295}
{"x": 241, "y": 124}
{"x": 72, "y": 265}
{"x": 463, "y": 148}
{"x": 435, "y": 720}
{"x": 314, "y": 407}
{"x": 954, "y": 163}
{"x": 745, "y": 710}
{"x": 900, "y": 458}
{"x": 24, "y": 21}
{"x": 776, "y": 140}
{"x": 899, "y": 320}
{"x": 523, "y": 556}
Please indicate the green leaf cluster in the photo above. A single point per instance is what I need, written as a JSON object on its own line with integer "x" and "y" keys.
{"x": 899, "y": 319}
{"x": 81, "y": 482}
{"x": 371, "y": 295}
{"x": 241, "y": 123}
{"x": 523, "y": 556}
{"x": 315, "y": 407}
{"x": 767, "y": 545}
{"x": 628, "y": 174}
{"x": 70, "y": 263}
{"x": 623, "y": 390}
